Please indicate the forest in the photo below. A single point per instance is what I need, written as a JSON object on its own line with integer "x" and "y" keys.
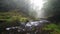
{"x": 17, "y": 17}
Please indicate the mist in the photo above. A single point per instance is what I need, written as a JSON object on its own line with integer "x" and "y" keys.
{"x": 34, "y": 8}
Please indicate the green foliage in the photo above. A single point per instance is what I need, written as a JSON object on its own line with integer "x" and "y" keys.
{"x": 11, "y": 18}
{"x": 52, "y": 28}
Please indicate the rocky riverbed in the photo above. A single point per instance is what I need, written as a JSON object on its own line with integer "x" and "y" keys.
{"x": 31, "y": 27}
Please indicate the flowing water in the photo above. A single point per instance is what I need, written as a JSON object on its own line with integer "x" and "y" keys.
{"x": 28, "y": 27}
{"x": 35, "y": 8}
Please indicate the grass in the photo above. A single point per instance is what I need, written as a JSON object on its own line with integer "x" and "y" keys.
{"x": 11, "y": 17}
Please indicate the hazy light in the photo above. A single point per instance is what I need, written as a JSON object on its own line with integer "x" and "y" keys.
{"x": 37, "y": 5}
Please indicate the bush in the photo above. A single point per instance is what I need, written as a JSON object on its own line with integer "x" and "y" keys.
{"x": 52, "y": 28}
